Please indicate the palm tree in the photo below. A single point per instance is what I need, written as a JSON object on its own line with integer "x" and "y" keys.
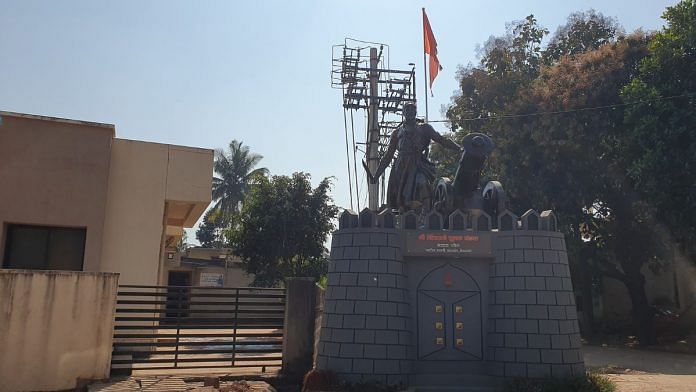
{"x": 235, "y": 174}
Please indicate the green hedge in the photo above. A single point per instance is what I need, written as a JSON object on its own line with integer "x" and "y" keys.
{"x": 592, "y": 382}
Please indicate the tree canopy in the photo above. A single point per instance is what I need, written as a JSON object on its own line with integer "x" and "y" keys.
{"x": 236, "y": 173}
{"x": 283, "y": 225}
{"x": 581, "y": 127}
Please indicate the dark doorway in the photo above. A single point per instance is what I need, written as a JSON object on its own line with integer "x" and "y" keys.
{"x": 178, "y": 290}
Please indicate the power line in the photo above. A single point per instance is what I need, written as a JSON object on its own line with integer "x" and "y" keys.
{"x": 504, "y": 116}
{"x": 350, "y": 180}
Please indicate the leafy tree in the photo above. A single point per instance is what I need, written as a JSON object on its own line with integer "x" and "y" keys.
{"x": 183, "y": 243}
{"x": 584, "y": 31}
{"x": 236, "y": 173}
{"x": 566, "y": 160}
{"x": 282, "y": 228}
{"x": 209, "y": 231}
{"x": 659, "y": 151}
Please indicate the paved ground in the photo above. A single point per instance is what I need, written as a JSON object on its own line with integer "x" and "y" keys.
{"x": 644, "y": 371}
{"x": 654, "y": 382}
{"x": 643, "y": 360}
{"x": 633, "y": 371}
{"x": 172, "y": 384}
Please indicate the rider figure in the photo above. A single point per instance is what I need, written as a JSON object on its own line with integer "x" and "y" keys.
{"x": 412, "y": 175}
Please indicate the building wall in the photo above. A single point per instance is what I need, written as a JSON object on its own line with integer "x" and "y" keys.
{"x": 143, "y": 178}
{"x": 135, "y": 211}
{"x": 55, "y": 328}
{"x": 133, "y": 198}
{"x": 55, "y": 173}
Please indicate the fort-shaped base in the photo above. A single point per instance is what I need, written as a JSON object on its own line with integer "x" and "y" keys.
{"x": 418, "y": 306}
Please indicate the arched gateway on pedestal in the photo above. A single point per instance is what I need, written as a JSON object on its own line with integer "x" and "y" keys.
{"x": 449, "y": 325}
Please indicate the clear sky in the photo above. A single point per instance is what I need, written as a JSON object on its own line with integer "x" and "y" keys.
{"x": 200, "y": 73}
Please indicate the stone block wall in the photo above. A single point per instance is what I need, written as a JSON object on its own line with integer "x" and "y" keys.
{"x": 366, "y": 325}
{"x": 532, "y": 327}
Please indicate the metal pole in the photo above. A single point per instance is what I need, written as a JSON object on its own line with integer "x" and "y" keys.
{"x": 373, "y": 131}
{"x": 425, "y": 72}
{"x": 236, "y": 324}
{"x": 179, "y": 308}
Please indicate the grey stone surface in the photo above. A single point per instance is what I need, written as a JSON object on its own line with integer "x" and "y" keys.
{"x": 538, "y": 370}
{"x": 515, "y": 311}
{"x": 537, "y": 312}
{"x": 377, "y": 294}
{"x": 504, "y": 354}
{"x": 386, "y": 280}
{"x": 561, "y": 371}
{"x": 535, "y": 283}
{"x": 539, "y": 341}
{"x": 356, "y": 293}
{"x": 524, "y": 269}
{"x": 364, "y": 336}
{"x": 553, "y": 283}
{"x": 379, "y": 266}
{"x": 387, "y": 337}
{"x": 358, "y": 266}
{"x": 354, "y": 321}
{"x": 526, "y": 326}
{"x": 514, "y": 256}
{"x": 541, "y": 242}
{"x": 548, "y": 326}
{"x": 363, "y": 366}
{"x": 369, "y": 325}
{"x": 527, "y": 355}
{"x": 365, "y": 307}
{"x": 348, "y": 279}
{"x": 378, "y": 351}
{"x": 376, "y": 322}
{"x": 552, "y": 356}
{"x": 523, "y": 242}
{"x": 560, "y": 341}
{"x": 386, "y": 366}
{"x": 340, "y": 365}
{"x": 387, "y": 308}
{"x": 543, "y": 269}
{"x": 546, "y": 297}
{"x": 515, "y": 340}
{"x": 515, "y": 370}
{"x": 351, "y": 350}
{"x": 342, "y": 335}
{"x": 369, "y": 252}
{"x": 345, "y": 307}
{"x": 526, "y": 297}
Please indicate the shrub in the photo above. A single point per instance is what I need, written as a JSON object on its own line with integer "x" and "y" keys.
{"x": 591, "y": 382}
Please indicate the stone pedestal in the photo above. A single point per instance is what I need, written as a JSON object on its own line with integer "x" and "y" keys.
{"x": 405, "y": 305}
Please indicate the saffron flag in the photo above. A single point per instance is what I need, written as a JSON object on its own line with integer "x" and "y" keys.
{"x": 430, "y": 47}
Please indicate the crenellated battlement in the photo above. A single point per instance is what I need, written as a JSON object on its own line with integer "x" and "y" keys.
{"x": 477, "y": 220}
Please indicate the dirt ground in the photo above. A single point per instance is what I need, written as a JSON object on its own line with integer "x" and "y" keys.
{"x": 642, "y": 370}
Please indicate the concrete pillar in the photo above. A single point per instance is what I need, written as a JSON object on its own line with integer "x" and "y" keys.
{"x": 298, "y": 334}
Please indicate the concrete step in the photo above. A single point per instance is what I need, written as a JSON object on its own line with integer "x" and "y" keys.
{"x": 455, "y": 382}
{"x": 454, "y": 389}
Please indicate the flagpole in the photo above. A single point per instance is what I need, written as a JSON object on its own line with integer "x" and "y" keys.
{"x": 425, "y": 72}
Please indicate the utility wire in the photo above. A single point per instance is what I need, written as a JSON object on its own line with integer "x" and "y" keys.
{"x": 355, "y": 165}
{"x": 350, "y": 180}
{"x": 504, "y": 116}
